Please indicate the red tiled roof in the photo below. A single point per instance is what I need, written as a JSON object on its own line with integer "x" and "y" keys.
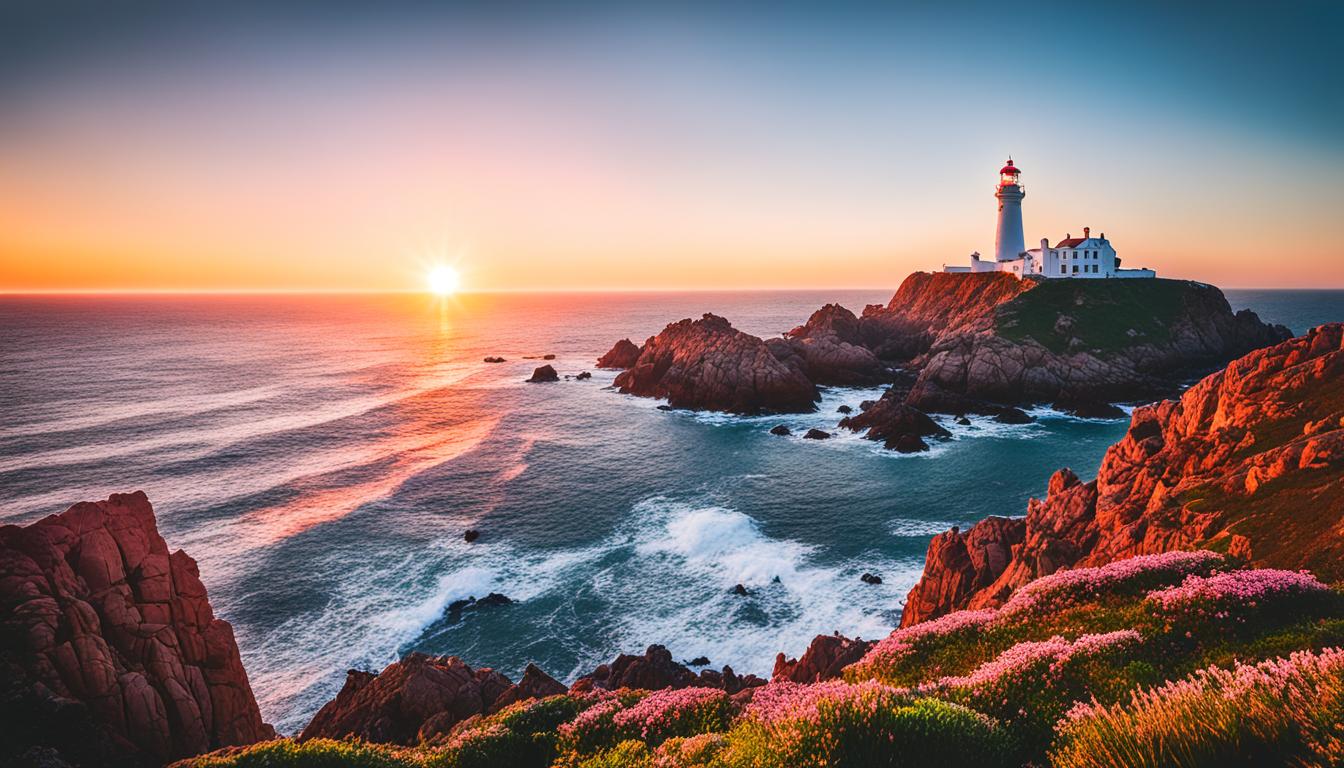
{"x": 1072, "y": 242}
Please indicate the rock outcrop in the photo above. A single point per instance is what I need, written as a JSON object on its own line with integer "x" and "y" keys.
{"x": 534, "y": 684}
{"x": 656, "y": 670}
{"x": 897, "y": 425}
{"x": 1249, "y": 461}
{"x": 931, "y": 304}
{"x": 824, "y": 659}
{"x": 829, "y": 348}
{"x": 624, "y": 354}
{"x": 109, "y": 647}
{"x": 544, "y": 374}
{"x": 411, "y": 700}
{"x": 707, "y": 364}
{"x": 1085, "y": 340}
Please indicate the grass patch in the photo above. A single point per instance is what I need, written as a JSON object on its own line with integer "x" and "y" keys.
{"x": 1107, "y": 315}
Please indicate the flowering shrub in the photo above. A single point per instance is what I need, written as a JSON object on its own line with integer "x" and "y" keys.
{"x": 1064, "y": 589}
{"x": 832, "y": 723}
{"x": 674, "y": 712}
{"x": 1066, "y": 602}
{"x": 595, "y": 727}
{"x": 1031, "y": 685}
{"x": 698, "y": 751}
{"x": 1225, "y": 599}
{"x": 522, "y": 734}
{"x": 904, "y": 655}
{"x": 1288, "y": 711}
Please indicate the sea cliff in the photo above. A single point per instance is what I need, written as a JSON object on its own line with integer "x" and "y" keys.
{"x": 959, "y": 343}
{"x": 1248, "y": 461}
{"x": 110, "y": 651}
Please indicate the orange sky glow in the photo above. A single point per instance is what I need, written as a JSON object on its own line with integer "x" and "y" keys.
{"x": 686, "y": 166}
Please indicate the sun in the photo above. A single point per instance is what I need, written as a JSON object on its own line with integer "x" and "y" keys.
{"x": 444, "y": 280}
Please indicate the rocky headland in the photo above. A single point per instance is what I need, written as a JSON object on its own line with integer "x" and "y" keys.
{"x": 1249, "y": 462}
{"x": 109, "y": 650}
{"x": 960, "y": 343}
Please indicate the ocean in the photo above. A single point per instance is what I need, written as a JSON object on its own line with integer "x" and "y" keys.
{"x": 321, "y": 457}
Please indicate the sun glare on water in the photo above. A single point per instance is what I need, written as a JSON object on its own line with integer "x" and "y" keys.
{"x": 444, "y": 280}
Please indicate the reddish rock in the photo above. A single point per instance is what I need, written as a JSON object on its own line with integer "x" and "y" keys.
{"x": 824, "y": 659}
{"x": 709, "y": 365}
{"x": 656, "y": 670}
{"x": 929, "y": 304}
{"x": 959, "y": 565}
{"x": 544, "y": 374}
{"x": 1250, "y": 460}
{"x": 829, "y": 348}
{"x": 895, "y": 424}
{"x": 109, "y": 643}
{"x": 1001, "y": 354}
{"x": 411, "y": 700}
{"x": 624, "y": 354}
{"x": 534, "y": 684}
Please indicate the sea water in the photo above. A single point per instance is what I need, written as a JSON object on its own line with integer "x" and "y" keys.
{"x": 322, "y": 456}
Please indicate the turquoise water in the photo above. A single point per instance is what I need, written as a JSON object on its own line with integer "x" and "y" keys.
{"x": 321, "y": 458}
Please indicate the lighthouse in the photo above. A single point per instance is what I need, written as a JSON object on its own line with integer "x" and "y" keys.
{"x": 1008, "y": 241}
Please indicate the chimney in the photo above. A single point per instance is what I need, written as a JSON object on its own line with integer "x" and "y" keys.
{"x": 1087, "y": 231}
{"x": 1103, "y": 235}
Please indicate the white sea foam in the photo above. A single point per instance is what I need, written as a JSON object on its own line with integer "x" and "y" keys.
{"x": 905, "y": 526}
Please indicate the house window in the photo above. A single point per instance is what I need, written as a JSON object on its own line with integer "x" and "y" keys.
{"x": 1063, "y": 268}
{"x": 1075, "y": 269}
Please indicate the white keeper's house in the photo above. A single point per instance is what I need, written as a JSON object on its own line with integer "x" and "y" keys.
{"x": 1085, "y": 257}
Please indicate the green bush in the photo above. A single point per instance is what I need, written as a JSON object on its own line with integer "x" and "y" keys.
{"x": 522, "y": 735}
{"x": 317, "y": 753}
{"x": 868, "y": 732}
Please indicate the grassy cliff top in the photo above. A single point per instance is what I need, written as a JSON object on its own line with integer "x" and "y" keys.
{"x": 1105, "y": 315}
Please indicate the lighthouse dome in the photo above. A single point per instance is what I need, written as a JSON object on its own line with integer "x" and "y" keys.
{"x": 1010, "y": 168}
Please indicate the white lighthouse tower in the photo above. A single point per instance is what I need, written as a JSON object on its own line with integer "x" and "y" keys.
{"x": 1009, "y": 244}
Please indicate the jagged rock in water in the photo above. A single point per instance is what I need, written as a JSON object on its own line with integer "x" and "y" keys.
{"x": 897, "y": 425}
{"x": 707, "y": 364}
{"x": 544, "y": 374}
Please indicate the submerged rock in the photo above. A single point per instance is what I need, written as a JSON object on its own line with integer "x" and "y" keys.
{"x": 870, "y": 578}
{"x": 781, "y": 430}
{"x": 471, "y": 535}
{"x": 816, "y": 434}
{"x": 1010, "y": 415}
{"x": 584, "y": 375}
{"x": 494, "y": 359}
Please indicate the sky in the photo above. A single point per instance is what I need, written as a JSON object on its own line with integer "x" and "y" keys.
{"x": 351, "y": 146}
